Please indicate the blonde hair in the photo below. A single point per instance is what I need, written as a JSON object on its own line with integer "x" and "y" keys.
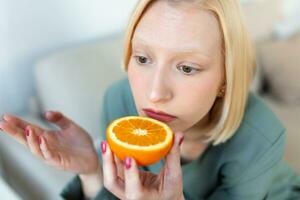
{"x": 239, "y": 61}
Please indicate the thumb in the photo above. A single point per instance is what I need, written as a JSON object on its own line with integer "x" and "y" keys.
{"x": 172, "y": 161}
{"x": 58, "y": 118}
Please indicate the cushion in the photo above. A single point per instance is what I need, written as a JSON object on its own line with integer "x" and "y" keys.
{"x": 280, "y": 63}
{"x": 73, "y": 80}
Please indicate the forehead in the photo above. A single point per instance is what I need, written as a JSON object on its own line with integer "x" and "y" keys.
{"x": 178, "y": 27}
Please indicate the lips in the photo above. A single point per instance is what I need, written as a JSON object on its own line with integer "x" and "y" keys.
{"x": 161, "y": 116}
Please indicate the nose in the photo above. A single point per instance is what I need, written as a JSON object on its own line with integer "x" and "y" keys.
{"x": 160, "y": 91}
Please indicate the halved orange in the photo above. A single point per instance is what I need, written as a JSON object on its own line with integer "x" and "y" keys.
{"x": 145, "y": 139}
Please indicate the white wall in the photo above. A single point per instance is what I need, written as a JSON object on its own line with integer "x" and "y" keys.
{"x": 290, "y": 22}
{"x": 32, "y": 28}
{"x": 281, "y": 18}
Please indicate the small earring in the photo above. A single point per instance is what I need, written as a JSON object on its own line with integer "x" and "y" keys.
{"x": 222, "y": 92}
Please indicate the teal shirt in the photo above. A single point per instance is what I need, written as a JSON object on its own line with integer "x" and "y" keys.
{"x": 249, "y": 166}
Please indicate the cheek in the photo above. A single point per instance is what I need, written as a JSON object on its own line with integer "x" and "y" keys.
{"x": 203, "y": 89}
{"x": 199, "y": 94}
{"x": 136, "y": 80}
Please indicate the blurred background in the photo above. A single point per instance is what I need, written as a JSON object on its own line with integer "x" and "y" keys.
{"x": 62, "y": 55}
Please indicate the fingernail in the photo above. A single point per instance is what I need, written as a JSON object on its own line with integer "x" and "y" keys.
{"x": 181, "y": 140}
{"x": 39, "y": 140}
{"x": 127, "y": 162}
{"x": 27, "y": 131}
{"x": 103, "y": 147}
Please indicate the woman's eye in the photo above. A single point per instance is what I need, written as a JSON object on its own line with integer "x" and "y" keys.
{"x": 141, "y": 59}
{"x": 187, "y": 69}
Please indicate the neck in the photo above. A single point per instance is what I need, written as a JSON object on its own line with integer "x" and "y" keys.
{"x": 199, "y": 131}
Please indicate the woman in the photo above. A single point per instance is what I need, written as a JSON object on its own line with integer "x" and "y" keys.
{"x": 193, "y": 61}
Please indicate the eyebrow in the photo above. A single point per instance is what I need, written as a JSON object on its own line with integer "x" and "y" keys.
{"x": 187, "y": 50}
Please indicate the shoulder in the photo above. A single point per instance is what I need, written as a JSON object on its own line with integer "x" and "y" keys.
{"x": 262, "y": 120}
{"x": 118, "y": 88}
{"x": 118, "y": 99}
{"x": 259, "y": 139}
{"x": 248, "y": 161}
{"x": 260, "y": 125}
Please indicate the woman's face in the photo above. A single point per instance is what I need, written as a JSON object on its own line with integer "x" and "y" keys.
{"x": 176, "y": 65}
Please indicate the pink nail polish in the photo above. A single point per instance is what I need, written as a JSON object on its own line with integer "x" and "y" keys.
{"x": 127, "y": 162}
{"x": 27, "y": 132}
{"x": 181, "y": 140}
{"x": 103, "y": 147}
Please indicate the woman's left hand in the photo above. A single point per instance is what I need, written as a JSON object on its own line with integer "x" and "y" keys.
{"x": 127, "y": 182}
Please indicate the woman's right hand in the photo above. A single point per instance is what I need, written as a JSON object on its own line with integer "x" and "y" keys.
{"x": 70, "y": 149}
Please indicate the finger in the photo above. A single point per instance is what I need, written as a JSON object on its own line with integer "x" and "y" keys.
{"x": 46, "y": 151}
{"x": 15, "y": 121}
{"x": 19, "y": 123}
{"x": 172, "y": 168}
{"x": 17, "y": 133}
{"x": 59, "y": 119}
{"x": 51, "y": 157}
{"x": 133, "y": 186}
{"x": 33, "y": 141}
{"x": 120, "y": 167}
{"x": 110, "y": 178}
